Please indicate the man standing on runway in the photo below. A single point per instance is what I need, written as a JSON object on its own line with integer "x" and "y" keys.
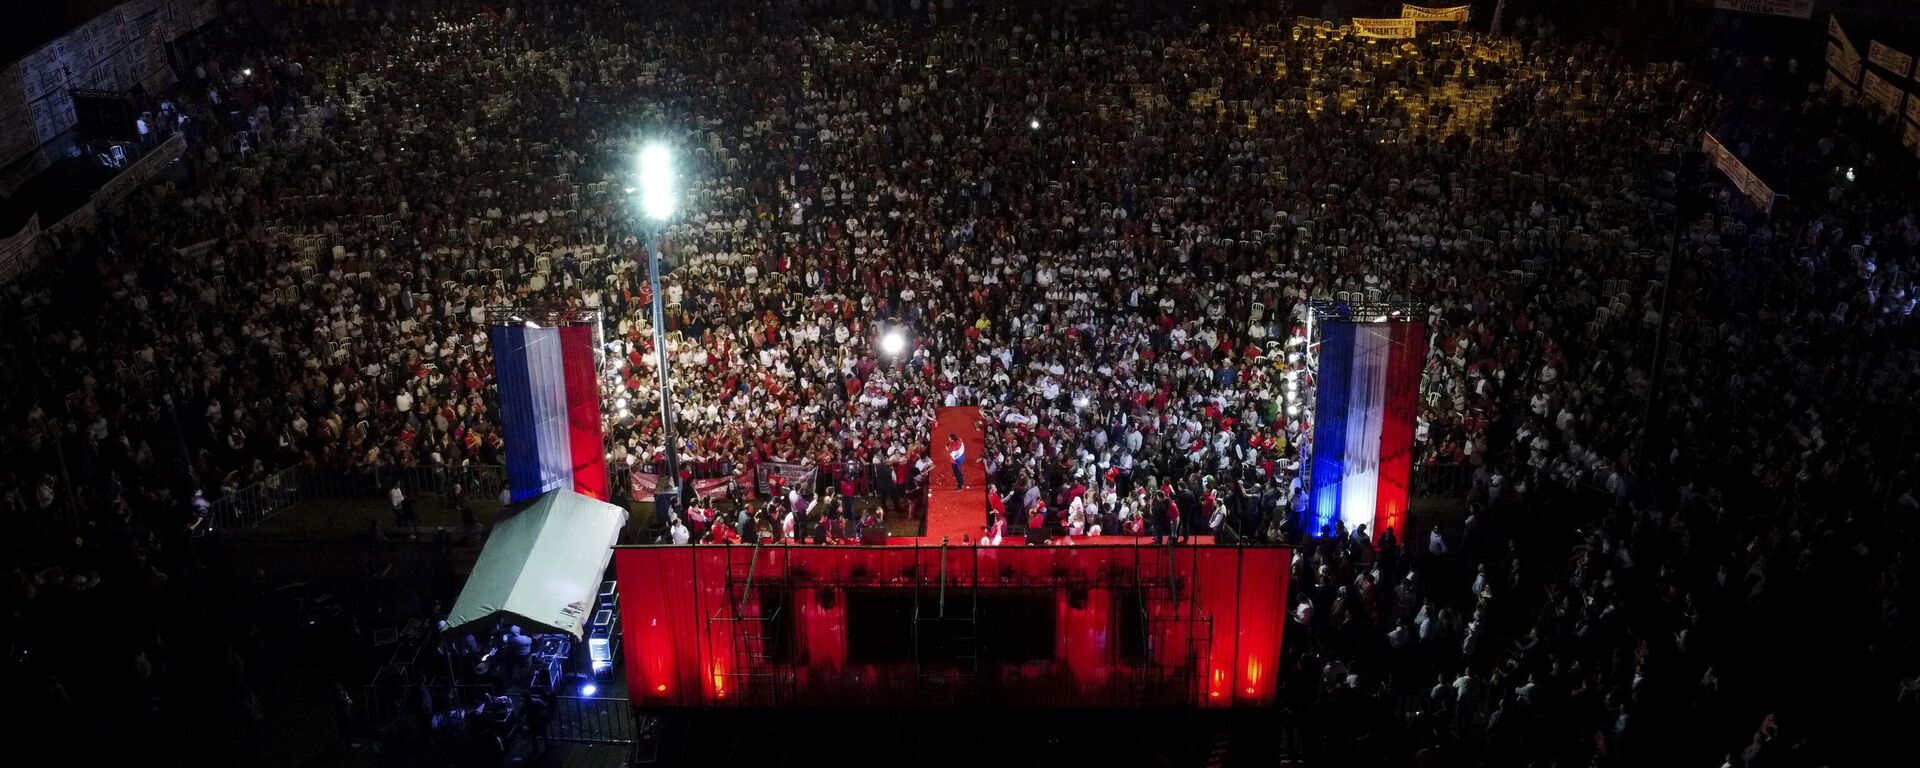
{"x": 1160, "y": 515}
{"x": 958, "y": 450}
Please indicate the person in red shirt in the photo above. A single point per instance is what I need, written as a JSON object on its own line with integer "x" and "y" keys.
{"x": 996, "y": 529}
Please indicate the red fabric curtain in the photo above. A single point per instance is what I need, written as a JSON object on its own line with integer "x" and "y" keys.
{"x": 1216, "y": 613}
{"x": 1405, "y": 362}
{"x": 579, "y": 357}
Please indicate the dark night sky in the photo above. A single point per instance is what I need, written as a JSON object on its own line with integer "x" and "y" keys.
{"x": 31, "y": 23}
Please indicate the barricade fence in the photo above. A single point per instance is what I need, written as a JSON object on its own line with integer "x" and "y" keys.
{"x": 395, "y": 709}
{"x": 1442, "y": 480}
{"x": 252, "y": 505}
{"x": 591, "y": 720}
{"x": 388, "y": 709}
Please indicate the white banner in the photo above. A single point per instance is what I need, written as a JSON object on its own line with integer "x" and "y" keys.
{"x": 1417, "y": 13}
{"x": 1737, "y": 172}
{"x": 1387, "y": 29}
{"x": 118, "y": 187}
{"x": 1889, "y": 59}
{"x": 1839, "y": 61}
{"x": 1837, "y": 85}
{"x": 1834, "y": 31}
{"x": 18, "y": 251}
{"x": 79, "y": 219}
{"x": 791, "y": 476}
{"x": 1882, "y": 93}
{"x": 1799, "y": 9}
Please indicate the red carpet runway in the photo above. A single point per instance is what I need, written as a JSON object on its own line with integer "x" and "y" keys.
{"x": 954, "y": 513}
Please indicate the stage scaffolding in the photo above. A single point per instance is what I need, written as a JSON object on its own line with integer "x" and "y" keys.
{"x": 607, "y": 367}
{"x": 1356, "y": 310}
{"x": 755, "y": 677}
{"x": 1173, "y": 631}
{"x": 560, "y": 317}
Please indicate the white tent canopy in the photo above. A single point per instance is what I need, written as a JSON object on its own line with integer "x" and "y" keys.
{"x": 543, "y": 564}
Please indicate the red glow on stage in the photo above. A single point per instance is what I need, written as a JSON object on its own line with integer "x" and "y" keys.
{"x": 1035, "y": 626}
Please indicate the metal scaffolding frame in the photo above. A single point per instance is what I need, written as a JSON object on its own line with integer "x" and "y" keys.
{"x": 947, "y": 606}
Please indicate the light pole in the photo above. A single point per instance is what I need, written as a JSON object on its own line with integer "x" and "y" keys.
{"x": 657, "y": 204}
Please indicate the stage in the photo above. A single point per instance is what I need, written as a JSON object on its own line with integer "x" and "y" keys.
{"x": 930, "y": 626}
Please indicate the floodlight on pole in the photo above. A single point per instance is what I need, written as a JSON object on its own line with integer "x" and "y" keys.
{"x": 656, "y": 182}
{"x": 657, "y": 204}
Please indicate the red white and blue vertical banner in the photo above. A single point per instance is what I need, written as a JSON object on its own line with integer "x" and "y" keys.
{"x": 550, "y": 409}
{"x": 1365, "y": 405}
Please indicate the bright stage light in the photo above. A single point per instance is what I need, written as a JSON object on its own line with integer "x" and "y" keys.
{"x": 656, "y": 182}
{"x": 1034, "y": 123}
{"x": 893, "y": 342}
{"x": 589, "y": 689}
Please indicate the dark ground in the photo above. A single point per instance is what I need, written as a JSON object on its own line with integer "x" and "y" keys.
{"x": 325, "y": 587}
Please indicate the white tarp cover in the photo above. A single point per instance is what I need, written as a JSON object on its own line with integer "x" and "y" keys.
{"x": 543, "y": 564}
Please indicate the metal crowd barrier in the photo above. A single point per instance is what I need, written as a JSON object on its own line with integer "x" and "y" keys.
{"x": 391, "y": 709}
{"x": 1442, "y": 480}
{"x": 591, "y": 721}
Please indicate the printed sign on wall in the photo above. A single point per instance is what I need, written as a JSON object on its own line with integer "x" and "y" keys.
{"x": 1888, "y": 58}
{"x": 1882, "y": 93}
{"x": 1839, "y": 61}
{"x": 1799, "y": 9}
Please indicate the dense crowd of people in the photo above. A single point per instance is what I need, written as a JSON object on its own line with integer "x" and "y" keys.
{"x": 1108, "y": 236}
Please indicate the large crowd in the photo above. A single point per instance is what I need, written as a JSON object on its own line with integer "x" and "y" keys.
{"x": 1108, "y": 237}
